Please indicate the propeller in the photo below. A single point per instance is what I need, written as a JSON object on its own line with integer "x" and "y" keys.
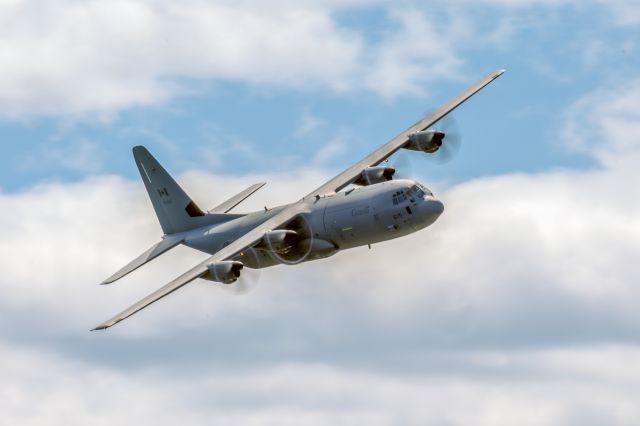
{"x": 249, "y": 277}
{"x": 303, "y": 247}
{"x": 403, "y": 165}
{"x": 402, "y": 161}
{"x": 248, "y": 281}
{"x": 452, "y": 141}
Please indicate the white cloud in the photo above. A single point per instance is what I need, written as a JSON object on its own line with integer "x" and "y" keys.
{"x": 419, "y": 51}
{"x": 606, "y": 125}
{"x": 76, "y": 58}
{"x": 627, "y": 12}
{"x": 67, "y": 57}
{"x": 622, "y": 12}
{"x": 555, "y": 387}
{"x": 62, "y": 57}
{"x": 308, "y": 123}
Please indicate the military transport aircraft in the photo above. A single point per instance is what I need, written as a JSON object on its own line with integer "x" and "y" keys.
{"x": 374, "y": 207}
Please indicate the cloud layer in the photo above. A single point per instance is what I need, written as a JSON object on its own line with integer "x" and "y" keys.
{"x": 555, "y": 387}
{"x": 67, "y": 57}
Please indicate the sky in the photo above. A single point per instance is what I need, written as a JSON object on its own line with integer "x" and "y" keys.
{"x": 518, "y": 306}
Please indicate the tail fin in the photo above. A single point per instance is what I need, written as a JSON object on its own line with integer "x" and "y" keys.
{"x": 175, "y": 210}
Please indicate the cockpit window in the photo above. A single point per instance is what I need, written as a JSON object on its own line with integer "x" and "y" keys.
{"x": 416, "y": 191}
{"x": 399, "y": 197}
{"x": 420, "y": 190}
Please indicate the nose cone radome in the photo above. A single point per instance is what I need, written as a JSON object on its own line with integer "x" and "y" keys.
{"x": 431, "y": 209}
{"x": 437, "y": 207}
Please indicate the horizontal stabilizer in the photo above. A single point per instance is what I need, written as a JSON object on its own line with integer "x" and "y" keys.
{"x": 155, "y": 251}
{"x": 237, "y": 199}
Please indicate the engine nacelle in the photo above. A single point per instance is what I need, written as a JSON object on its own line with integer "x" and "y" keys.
{"x": 278, "y": 240}
{"x": 426, "y": 140}
{"x": 316, "y": 248}
{"x": 372, "y": 175}
{"x": 308, "y": 249}
{"x": 226, "y": 272}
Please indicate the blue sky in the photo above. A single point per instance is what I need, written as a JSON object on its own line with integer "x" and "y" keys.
{"x": 518, "y": 306}
{"x": 552, "y": 54}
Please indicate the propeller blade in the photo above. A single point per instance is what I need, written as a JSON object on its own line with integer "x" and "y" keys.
{"x": 452, "y": 141}
{"x": 403, "y": 165}
{"x": 301, "y": 250}
{"x": 248, "y": 281}
{"x": 249, "y": 277}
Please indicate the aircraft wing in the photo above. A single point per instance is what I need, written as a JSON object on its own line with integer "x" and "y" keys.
{"x": 242, "y": 243}
{"x": 385, "y": 151}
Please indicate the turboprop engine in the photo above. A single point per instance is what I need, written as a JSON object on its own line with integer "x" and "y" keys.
{"x": 426, "y": 140}
{"x": 372, "y": 175}
{"x": 278, "y": 240}
{"x": 226, "y": 272}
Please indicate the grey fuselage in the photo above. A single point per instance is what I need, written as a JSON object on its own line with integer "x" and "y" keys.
{"x": 357, "y": 217}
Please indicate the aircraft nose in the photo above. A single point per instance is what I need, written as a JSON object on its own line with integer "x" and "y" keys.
{"x": 431, "y": 209}
{"x": 435, "y": 207}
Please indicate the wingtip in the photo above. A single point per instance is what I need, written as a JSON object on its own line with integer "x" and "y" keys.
{"x": 113, "y": 278}
{"x": 107, "y": 324}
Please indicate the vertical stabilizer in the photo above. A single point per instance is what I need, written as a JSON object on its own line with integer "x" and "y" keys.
{"x": 175, "y": 210}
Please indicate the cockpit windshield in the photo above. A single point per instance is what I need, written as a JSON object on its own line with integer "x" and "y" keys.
{"x": 420, "y": 191}
{"x": 416, "y": 191}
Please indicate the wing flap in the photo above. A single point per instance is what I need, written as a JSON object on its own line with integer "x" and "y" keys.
{"x": 386, "y": 150}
